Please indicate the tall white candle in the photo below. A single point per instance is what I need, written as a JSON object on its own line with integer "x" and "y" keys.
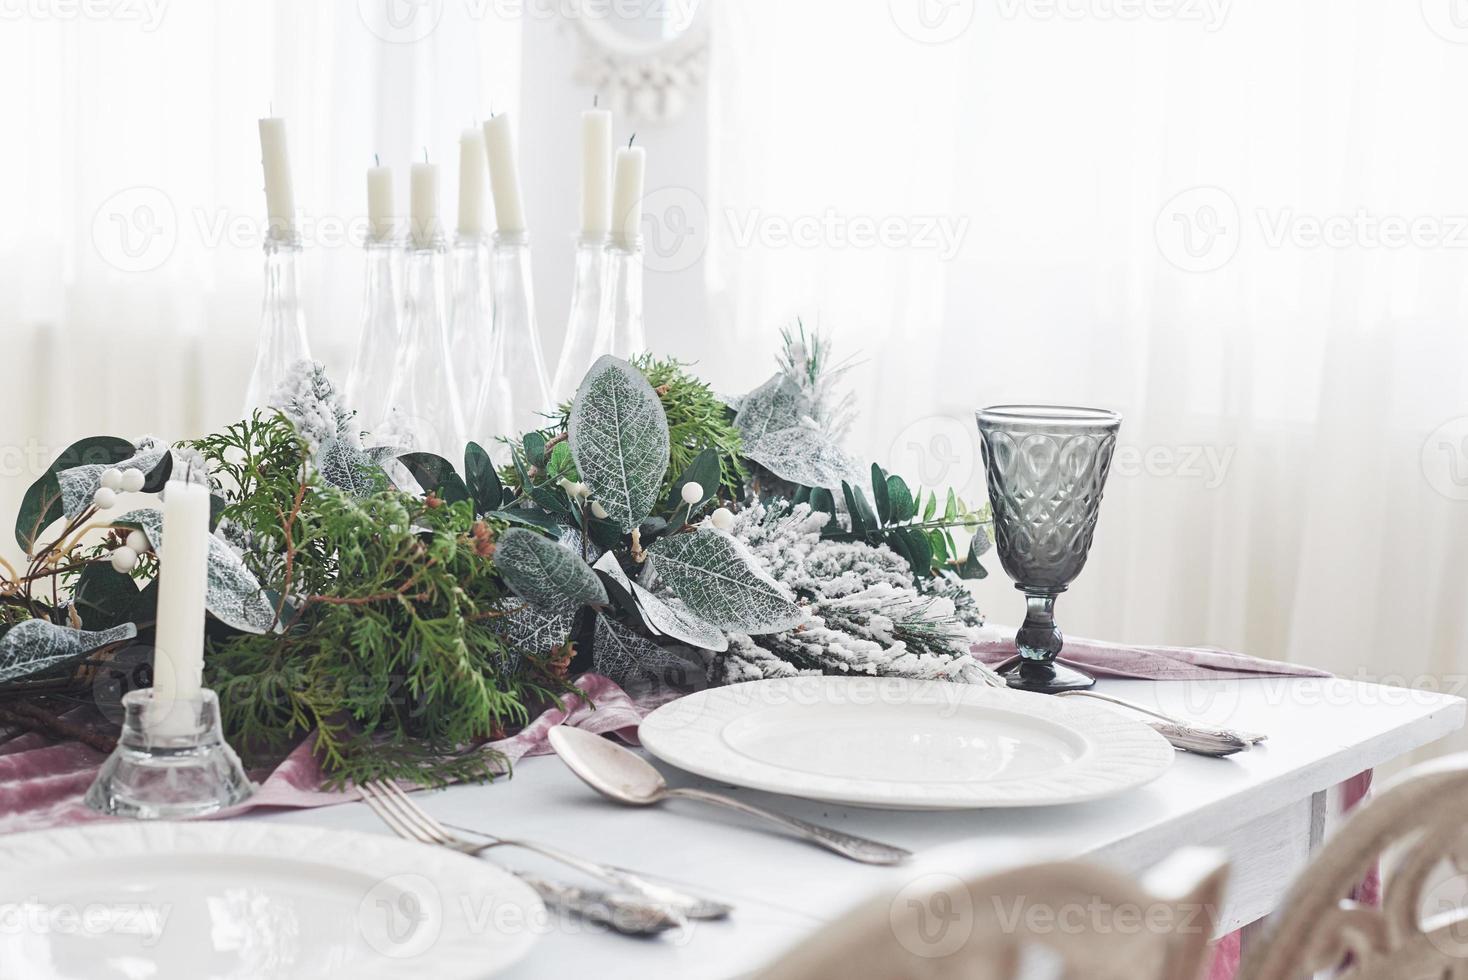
{"x": 424, "y": 204}
{"x": 627, "y": 198}
{"x": 471, "y": 182}
{"x": 280, "y": 197}
{"x": 504, "y": 178}
{"x": 381, "y": 221}
{"x": 596, "y": 173}
{"x": 178, "y": 656}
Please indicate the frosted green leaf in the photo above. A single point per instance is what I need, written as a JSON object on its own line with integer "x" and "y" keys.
{"x": 526, "y": 629}
{"x": 546, "y": 574}
{"x": 777, "y": 404}
{"x": 635, "y": 662}
{"x": 79, "y": 484}
{"x": 619, "y": 440}
{"x": 803, "y": 456}
{"x": 663, "y": 618}
{"x": 233, "y": 596}
{"x": 37, "y": 644}
{"x": 349, "y": 468}
{"x": 720, "y": 581}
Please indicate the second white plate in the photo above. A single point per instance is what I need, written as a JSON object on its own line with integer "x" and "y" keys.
{"x": 902, "y": 744}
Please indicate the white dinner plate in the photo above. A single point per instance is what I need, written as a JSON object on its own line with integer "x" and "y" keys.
{"x": 138, "y": 901}
{"x": 903, "y": 744}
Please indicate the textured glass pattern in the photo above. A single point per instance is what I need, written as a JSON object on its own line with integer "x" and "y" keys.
{"x": 1046, "y": 469}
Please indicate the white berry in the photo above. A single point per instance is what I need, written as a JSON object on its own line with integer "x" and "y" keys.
{"x": 598, "y": 511}
{"x": 138, "y": 541}
{"x": 723, "y": 518}
{"x": 104, "y": 498}
{"x": 692, "y": 493}
{"x": 582, "y": 491}
{"x": 124, "y": 559}
{"x": 112, "y": 478}
{"x": 132, "y": 480}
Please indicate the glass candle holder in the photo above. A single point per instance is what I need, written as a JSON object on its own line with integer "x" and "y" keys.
{"x": 282, "y": 322}
{"x": 1046, "y": 468}
{"x": 471, "y": 320}
{"x": 585, "y": 340}
{"x": 376, "y": 363}
{"x": 425, "y": 412}
{"x": 159, "y": 771}
{"x": 621, "y": 315}
{"x": 515, "y": 395}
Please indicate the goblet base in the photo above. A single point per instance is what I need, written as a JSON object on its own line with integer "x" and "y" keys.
{"x": 1044, "y": 676}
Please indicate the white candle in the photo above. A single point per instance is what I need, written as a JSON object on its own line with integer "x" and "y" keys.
{"x": 381, "y": 222}
{"x": 596, "y": 173}
{"x": 183, "y": 572}
{"x": 627, "y": 199}
{"x": 424, "y": 204}
{"x": 504, "y": 180}
{"x": 280, "y": 198}
{"x": 471, "y": 183}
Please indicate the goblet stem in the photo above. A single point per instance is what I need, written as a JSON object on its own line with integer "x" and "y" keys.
{"x": 1039, "y": 638}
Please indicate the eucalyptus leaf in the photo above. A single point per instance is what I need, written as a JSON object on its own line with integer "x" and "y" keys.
{"x": 534, "y": 443}
{"x": 721, "y": 582}
{"x": 480, "y": 477}
{"x": 36, "y": 645}
{"x": 661, "y": 617}
{"x": 777, "y": 404}
{"x": 900, "y": 499}
{"x": 104, "y": 597}
{"x": 436, "y": 474}
{"x": 803, "y": 455}
{"x": 351, "y": 469}
{"x": 880, "y": 495}
{"x": 79, "y": 484}
{"x": 545, "y": 573}
{"x": 980, "y": 544}
{"x": 619, "y": 440}
{"x": 233, "y": 594}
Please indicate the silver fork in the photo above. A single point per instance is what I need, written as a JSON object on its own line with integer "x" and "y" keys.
{"x": 629, "y": 914}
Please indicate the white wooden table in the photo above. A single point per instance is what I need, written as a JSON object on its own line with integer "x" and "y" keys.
{"x": 1266, "y": 806}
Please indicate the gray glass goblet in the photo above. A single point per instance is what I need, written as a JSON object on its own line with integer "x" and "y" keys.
{"x": 1046, "y": 468}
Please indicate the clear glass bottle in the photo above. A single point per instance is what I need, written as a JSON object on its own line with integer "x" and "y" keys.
{"x": 282, "y": 322}
{"x": 471, "y": 320}
{"x": 425, "y": 412}
{"x": 621, "y": 313}
{"x": 376, "y": 363}
{"x": 585, "y": 340}
{"x": 516, "y": 395}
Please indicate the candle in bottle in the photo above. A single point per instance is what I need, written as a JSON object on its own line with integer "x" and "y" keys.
{"x": 183, "y": 574}
{"x": 471, "y": 183}
{"x": 381, "y": 222}
{"x": 627, "y": 197}
{"x": 504, "y": 179}
{"x": 423, "y": 207}
{"x": 280, "y": 198}
{"x": 596, "y": 167}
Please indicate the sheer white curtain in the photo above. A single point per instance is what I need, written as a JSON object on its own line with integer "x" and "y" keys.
{"x": 132, "y": 193}
{"x": 1194, "y": 216}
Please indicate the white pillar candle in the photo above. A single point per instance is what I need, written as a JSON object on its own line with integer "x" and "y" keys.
{"x": 596, "y": 173}
{"x": 471, "y": 183}
{"x": 381, "y": 222}
{"x": 627, "y": 198}
{"x": 183, "y": 574}
{"x": 424, "y": 204}
{"x": 504, "y": 179}
{"x": 280, "y": 197}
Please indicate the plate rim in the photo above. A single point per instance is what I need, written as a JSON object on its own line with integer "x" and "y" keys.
{"x": 459, "y": 949}
{"x": 1108, "y": 734}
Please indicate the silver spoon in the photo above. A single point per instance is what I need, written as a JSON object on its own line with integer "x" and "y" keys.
{"x": 622, "y": 775}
